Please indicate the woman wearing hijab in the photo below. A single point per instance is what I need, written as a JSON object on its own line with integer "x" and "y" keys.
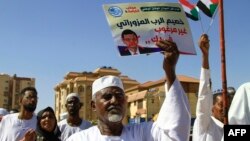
{"x": 47, "y": 129}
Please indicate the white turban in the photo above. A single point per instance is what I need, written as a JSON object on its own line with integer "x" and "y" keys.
{"x": 3, "y": 112}
{"x": 106, "y": 81}
{"x": 73, "y": 95}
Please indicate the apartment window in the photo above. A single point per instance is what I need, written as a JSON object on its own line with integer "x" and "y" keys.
{"x": 5, "y": 106}
{"x": 152, "y": 90}
{"x": 17, "y": 86}
{"x": 134, "y": 103}
{"x": 16, "y": 101}
{"x": 152, "y": 100}
{"x": 140, "y": 103}
{"x": 5, "y": 101}
{"x": 5, "y": 93}
{"x": 80, "y": 89}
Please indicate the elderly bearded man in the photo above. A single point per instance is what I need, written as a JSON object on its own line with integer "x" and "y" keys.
{"x": 109, "y": 102}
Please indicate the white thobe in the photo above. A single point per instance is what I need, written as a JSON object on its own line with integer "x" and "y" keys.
{"x": 206, "y": 127}
{"x": 67, "y": 130}
{"x": 13, "y": 129}
{"x": 172, "y": 124}
{"x": 239, "y": 111}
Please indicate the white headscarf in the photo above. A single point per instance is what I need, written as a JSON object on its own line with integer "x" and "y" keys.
{"x": 239, "y": 112}
{"x": 73, "y": 95}
{"x": 3, "y": 112}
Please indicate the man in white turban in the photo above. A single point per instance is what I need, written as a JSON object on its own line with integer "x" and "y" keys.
{"x": 73, "y": 123}
{"x": 110, "y": 103}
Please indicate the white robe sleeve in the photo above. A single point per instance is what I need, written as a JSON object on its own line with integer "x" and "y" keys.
{"x": 239, "y": 112}
{"x": 204, "y": 106}
{"x": 174, "y": 116}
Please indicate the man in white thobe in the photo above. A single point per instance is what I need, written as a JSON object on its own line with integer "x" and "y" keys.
{"x": 109, "y": 102}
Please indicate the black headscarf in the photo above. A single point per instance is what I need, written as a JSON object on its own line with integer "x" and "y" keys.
{"x": 41, "y": 133}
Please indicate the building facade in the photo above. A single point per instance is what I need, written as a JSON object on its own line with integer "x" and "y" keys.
{"x": 144, "y": 100}
{"x": 81, "y": 83}
{"x": 10, "y": 88}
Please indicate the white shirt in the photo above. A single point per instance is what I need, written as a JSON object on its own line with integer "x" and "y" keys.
{"x": 67, "y": 130}
{"x": 206, "y": 127}
{"x": 136, "y": 52}
{"x": 13, "y": 129}
{"x": 172, "y": 124}
{"x": 239, "y": 111}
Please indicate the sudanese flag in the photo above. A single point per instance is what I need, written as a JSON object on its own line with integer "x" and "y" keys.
{"x": 208, "y": 6}
{"x": 190, "y": 9}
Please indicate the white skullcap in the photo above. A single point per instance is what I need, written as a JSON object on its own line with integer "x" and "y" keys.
{"x": 106, "y": 81}
{"x": 3, "y": 112}
{"x": 73, "y": 95}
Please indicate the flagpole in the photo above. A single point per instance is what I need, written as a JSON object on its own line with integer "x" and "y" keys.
{"x": 223, "y": 62}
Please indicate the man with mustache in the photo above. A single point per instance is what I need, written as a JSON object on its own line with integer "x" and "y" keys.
{"x": 208, "y": 125}
{"x": 15, "y": 126}
{"x": 73, "y": 123}
{"x": 109, "y": 102}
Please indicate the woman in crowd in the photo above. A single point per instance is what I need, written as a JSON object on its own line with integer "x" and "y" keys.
{"x": 47, "y": 129}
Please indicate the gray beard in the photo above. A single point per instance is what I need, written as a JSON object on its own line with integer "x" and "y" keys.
{"x": 114, "y": 117}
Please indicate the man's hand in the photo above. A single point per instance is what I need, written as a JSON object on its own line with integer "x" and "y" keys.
{"x": 204, "y": 44}
{"x": 171, "y": 56}
{"x": 204, "y": 47}
{"x": 30, "y": 135}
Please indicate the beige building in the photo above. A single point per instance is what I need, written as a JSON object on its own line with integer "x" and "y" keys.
{"x": 81, "y": 83}
{"x": 10, "y": 87}
{"x": 144, "y": 100}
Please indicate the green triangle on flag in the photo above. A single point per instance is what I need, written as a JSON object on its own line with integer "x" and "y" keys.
{"x": 213, "y": 8}
{"x": 195, "y": 13}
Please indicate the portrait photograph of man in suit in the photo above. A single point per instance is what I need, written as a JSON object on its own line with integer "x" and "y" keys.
{"x": 132, "y": 47}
